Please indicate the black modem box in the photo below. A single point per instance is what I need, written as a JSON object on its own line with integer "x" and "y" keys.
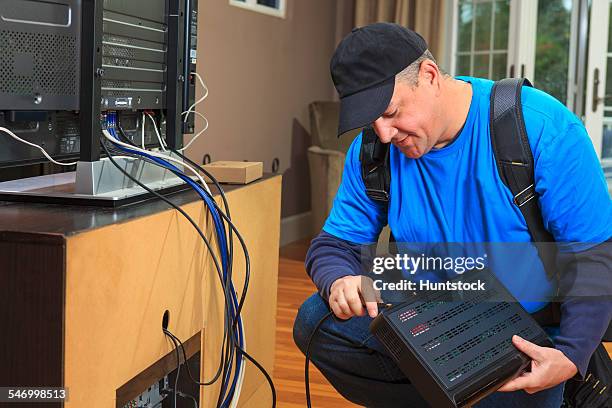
{"x": 455, "y": 347}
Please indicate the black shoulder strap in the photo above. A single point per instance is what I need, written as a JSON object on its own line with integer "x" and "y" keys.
{"x": 374, "y": 157}
{"x": 515, "y": 160}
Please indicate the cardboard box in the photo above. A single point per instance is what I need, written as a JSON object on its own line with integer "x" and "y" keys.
{"x": 235, "y": 172}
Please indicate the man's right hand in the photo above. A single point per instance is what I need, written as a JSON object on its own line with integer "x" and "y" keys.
{"x": 346, "y": 299}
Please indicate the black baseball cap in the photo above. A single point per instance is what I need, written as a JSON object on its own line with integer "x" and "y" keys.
{"x": 364, "y": 66}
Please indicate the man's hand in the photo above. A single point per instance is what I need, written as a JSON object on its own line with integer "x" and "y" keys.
{"x": 549, "y": 367}
{"x": 346, "y": 298}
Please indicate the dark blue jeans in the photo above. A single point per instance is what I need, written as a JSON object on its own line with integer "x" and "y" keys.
{"x": 357, "y": 365}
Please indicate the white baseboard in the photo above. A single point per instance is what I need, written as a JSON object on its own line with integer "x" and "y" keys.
{"x": 295, "y": 227}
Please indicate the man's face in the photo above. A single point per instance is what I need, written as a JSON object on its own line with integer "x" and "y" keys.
{"x": 411, "y": 121}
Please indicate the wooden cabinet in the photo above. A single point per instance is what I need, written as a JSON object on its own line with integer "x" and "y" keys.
{"x": 84, "y": 291}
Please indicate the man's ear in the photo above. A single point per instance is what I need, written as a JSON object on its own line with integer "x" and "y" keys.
{"x": 430, "y": 73}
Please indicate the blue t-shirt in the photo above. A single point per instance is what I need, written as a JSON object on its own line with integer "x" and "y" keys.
{"x": 455, "y": 194}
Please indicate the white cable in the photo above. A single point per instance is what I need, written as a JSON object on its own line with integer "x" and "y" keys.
{"x": 236, "y": 397}
{"x": 191, "y": 110}
{"x": 199, "y": 100}
{"x": 199, "y": 114}
{"x": 127, "y": 157}
{"x": 14, "y": 136}
{"x": 160, "y": 155}
{"x": 159, "y": 138}
{"x": 198, "y": 134}
{"x": 143, "y": 129}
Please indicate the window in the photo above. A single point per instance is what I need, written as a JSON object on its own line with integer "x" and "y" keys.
{"x": 606, "y": 100}
{"x": 271, "y": 7}
{"x": 563, "y": 46}
{"x": 482, "y": 38}
{"x": 552, "y": 52}
{"x": 518, "y": 38}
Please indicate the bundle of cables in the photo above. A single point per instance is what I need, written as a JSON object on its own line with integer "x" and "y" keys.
{"x": 231, "y": 367}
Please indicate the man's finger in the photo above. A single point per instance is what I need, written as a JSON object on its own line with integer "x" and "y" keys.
{"x": 337, "y": 311}
{"x": 526, "y": 380}
{"x": 532, "y": 350}
{"x": 354, "y": 302}
{"x": 343, "y": 305}
{"x": 372, "y": 308}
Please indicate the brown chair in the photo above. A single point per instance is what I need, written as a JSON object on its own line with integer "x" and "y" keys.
{"x": 326, "y": 161}
{"x": 325, "y": 158}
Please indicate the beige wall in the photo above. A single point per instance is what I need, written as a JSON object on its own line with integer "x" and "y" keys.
{"x": 262, "y": 72}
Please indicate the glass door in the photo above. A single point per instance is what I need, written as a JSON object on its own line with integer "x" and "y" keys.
{"x": 545, "y": 41}
{"x": 495, "y": 39}
{"x": 555, "y": 47}
{"x": 481, "y": 40}
{"x": 598, "y": 101}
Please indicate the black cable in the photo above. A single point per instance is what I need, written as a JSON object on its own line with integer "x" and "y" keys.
{"x": 232, "y": 227}
{"x": 306, "y": 372}
{"x": 187, "y": 365}
{"x": 263, "y": 371}
{"x": 380, "y": 305}
{"x": 176, "y": 379}
{"x": 243, "y": 352}
{"x": 163, "y": 198}
{"x": 257, "y": 364}
{"x": 227, "y": 362}
{"x": 231, "y": 343}
{"x": 225, "y": 214}
{"x": 247, "y": 273}
{"x": 178, "y": 366}
{"x": 182, "y": 347}
{"x": 126, "y": 139}
{"x": 175, "y": 340}
{"x": 193, "y": 223}
{"x": 187, "y": 396}
{"x": 222, "y": 359}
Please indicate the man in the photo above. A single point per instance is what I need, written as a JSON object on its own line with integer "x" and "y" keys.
{"x": 445, "y": 187}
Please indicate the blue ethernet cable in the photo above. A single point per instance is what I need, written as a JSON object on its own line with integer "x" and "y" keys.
{"x": 220, "y": 229}
{"x": 221, "y": 232}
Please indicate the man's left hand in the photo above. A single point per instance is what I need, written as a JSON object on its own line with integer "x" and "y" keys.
{"x": 549, "y": 367}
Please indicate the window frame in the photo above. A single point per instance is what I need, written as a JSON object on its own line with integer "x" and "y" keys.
{"x": 252, "y": 5}
{"x": 521, "y": 30}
